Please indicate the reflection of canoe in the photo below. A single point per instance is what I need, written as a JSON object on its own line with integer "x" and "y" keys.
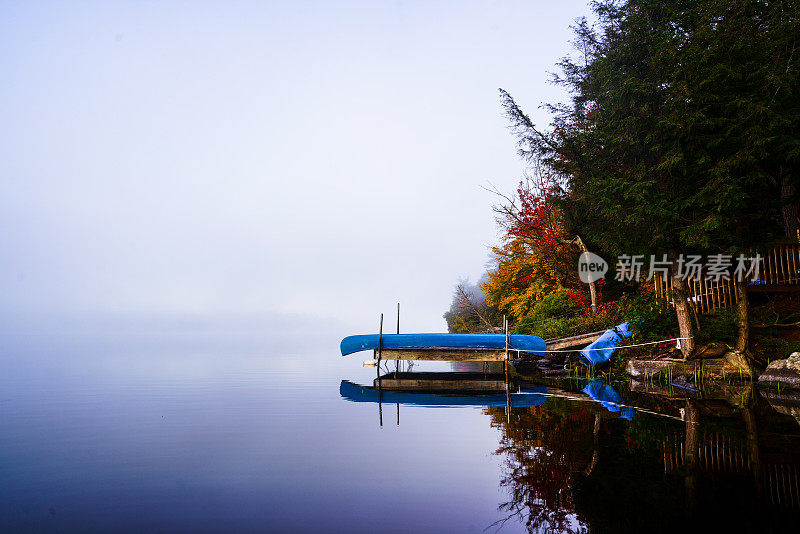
{"x": 531, "y": 344}
{"x": 355, "y": 393}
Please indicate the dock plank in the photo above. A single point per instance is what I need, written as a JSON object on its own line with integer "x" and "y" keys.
{"x": 573, "y": 341}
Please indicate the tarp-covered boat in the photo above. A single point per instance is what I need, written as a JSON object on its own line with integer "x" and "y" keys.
{"x": 528, "y": 344}
{"x": 601, "y": 350}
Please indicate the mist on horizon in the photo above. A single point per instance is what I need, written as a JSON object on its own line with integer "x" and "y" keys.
{"x": 232, "y": 160}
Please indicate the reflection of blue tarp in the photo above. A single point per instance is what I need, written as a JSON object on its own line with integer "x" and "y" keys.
{"x": 355, "y": 393}
{"x": 608, "y": 397}
{"x": 601, "y": 350}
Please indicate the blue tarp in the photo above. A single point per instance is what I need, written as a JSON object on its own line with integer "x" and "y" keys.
{"x": 601, "y": 350}
{"x": 609, "y": 398}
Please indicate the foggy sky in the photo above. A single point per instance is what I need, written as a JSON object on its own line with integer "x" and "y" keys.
{"x": 254, "y": 158}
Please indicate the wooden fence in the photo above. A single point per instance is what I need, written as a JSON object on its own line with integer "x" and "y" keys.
{"x": 779, "y": 268}
{"x": 781, "y": 265}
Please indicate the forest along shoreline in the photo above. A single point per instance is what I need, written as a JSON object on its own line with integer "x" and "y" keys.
{"x": 700, "y": 238}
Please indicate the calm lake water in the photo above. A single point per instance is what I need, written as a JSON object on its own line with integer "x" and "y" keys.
{"x": 158, "y": 431}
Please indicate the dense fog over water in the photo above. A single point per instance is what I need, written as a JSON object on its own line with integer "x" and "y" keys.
{"x": 208, "y": 159}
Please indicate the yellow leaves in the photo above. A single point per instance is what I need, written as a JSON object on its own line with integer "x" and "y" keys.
{"x": 460, "y": 325}
{"x": 526, "y": 272}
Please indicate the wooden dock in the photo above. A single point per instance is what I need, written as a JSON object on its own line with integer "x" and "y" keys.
{"x": 480, "y": 355}
{"x": 580, "y": 340}
{"x": 443, "y": 354}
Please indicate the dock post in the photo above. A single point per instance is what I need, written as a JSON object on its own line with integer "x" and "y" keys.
{"x": 380, "y": 346}
{"x": 505, "y": 366}
{"x": 378, "y": 368}
{"x": 397, "y": 362}
{"x": 505, "y": 325}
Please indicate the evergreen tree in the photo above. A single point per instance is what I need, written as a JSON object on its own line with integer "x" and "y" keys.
{"x": 683, "y": 133}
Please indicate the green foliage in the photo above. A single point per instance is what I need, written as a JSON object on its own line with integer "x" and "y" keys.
{"x": 558, "y": 315}
{"x": 650, "y": 318}
{"x": 682, "y": 134}
{"x": 683, "y": 127}
{"x": 774, "y": 348}
{"x": 720, "y": 326}
{"x": 555, "y": 305}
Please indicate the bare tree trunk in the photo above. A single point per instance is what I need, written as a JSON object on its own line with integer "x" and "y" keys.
{"x": 463, "y": 294}
{"x": 683, "y": 312}
{"x": 592, "y": 287}
{"x": 789, "y": 205}
{"x": 742, "y": 309}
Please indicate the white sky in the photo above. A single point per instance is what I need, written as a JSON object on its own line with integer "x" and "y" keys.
{"x": 215, "y": 158}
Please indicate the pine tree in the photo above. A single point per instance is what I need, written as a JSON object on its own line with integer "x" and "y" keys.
{"x": 683, "y": 133}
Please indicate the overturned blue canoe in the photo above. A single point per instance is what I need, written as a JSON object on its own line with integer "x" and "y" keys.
{"x": 355, "y": 393}
{"x": 530, "y": 344}
{"x": 601, "y": 350}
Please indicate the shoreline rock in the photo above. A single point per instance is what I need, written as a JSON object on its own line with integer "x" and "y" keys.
{"x": 782, "y": 373}
{"x": 732, "y": 365}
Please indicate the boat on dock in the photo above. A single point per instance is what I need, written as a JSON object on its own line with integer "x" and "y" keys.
{"x": 597, "y": 346}
{"x": 442, "y": 342}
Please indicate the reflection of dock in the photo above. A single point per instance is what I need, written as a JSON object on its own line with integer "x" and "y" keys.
{"x": 434, "y": 398}
{"x": 476, "y": 389}
{"x": 441, "y": 382}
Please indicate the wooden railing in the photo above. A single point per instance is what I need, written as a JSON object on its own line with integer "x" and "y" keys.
{"x": 779, "y": 268}
{"x": 780, "y": 265}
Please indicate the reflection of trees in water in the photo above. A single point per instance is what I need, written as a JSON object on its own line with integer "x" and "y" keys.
{"x": 545, "y": 450}
{"x": 571, "y": 467}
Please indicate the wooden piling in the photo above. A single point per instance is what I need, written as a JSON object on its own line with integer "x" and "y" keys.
{"x": 378, "y": 368}
{"x": 397, "y": 362}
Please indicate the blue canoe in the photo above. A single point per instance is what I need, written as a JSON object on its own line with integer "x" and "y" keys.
{"x": 524, "y": 399}
{"x": 601, "y": 350}
{"x": 530, "y": 344}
